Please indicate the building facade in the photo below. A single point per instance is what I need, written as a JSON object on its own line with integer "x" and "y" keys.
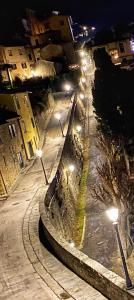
{"x": 20, "y": 103}
{"x": 120, "y": 51}
{"x": 12, "y": 153}
{"x": 19, "y": 59}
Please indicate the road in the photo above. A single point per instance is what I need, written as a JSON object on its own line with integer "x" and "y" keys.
{"x": 24, "y": 277}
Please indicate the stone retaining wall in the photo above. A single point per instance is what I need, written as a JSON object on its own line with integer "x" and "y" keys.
{"x": 107, "y": 282}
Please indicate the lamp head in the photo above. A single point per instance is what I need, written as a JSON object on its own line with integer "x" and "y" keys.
{"x": 78, "y": 128}
{"x": 57, "y": 116}
{"x": 39, "y": 152}
{"x": 71, "y": 168}
{"x": 113, "y": 213}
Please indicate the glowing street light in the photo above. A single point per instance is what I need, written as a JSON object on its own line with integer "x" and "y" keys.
{"x": 58, "y": 117}
{"x": 78, "y": 128}
{"x": 39, "y": 153}
{"x": 82, "y": 96}
{"x": 70, "y": 169}
{"x": 71, "y": 243}
{"x": 67, "y": 87}
{"x": 112, "y": 213}
{"x": 83, "y": 79}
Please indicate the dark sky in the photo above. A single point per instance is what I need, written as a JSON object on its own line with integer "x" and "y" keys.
{"x": 95, "y": 12}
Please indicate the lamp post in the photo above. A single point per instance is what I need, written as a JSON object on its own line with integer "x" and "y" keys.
{"x": 71, "y": 169}
{"x": 39, "y": 154}
{"x": 113, "y": 216}
{"x": 58, "y": 117}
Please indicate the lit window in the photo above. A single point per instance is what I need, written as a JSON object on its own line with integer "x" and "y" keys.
{"x": 20, "y": 51}
{"x": 12, "y": 130}
{"x": 24, "y": 66}
{"x": 114, "y": 54}
{"x": 10, "y": 53}
{"x": 14, "y": 67}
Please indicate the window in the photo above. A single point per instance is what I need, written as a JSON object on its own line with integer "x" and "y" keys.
{"x": 4, "y": 160}
{"x": 36, "y": 42}
{"x": 61, "y": 22}
{"x": 10, "y": 53}
{"x": 14, "y": 67}
{"x": 12, "y": 130}
{"x": 24, "y": 66}
{"x": 20, "y": 51}
{"x": 121, "y": 46}
{"x": 17, "y": 103}
{"x": 30, "y": 56}
{"x": 33, "y": 124}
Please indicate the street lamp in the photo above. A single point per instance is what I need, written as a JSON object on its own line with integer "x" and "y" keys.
{"x": 58, "y": 117}
{"x": 39, "y": 154}
{"x": 67, "y": 87}
{"x": 83, "y": 79}
{"x": 81, "y": 96}
{"x": 70, "y": 169}
{"x": 78, "y": 128}
{"x": 112, "y": 213}
{"x": 71, "y": 243}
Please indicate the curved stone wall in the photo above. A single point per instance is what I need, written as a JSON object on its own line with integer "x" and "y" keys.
{"x": 107, "y": 282}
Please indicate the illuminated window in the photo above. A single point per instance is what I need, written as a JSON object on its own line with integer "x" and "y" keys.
{"x": 12, "y": 130}
{"x": 24, "y": 66}
{"x": 10, "y": 53}
{"x": 114, "y": 54}
{"x": 14, "y": 67}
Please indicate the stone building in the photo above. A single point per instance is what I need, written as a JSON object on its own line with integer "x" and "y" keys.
{"x": 121, "y": 51}
{"x": 20, "y": 103}
{"x": 20, "y": 60}
{"x": 12, "y": 153}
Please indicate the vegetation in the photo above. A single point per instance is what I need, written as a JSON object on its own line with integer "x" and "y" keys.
{"x": 113, "y": 97}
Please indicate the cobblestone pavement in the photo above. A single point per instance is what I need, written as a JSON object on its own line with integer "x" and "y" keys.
{"x": 28, "y": 271}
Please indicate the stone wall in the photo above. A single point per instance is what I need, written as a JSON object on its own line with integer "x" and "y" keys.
{"x": 57, "y": 211}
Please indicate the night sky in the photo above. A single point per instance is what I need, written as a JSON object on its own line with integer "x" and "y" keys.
{"x": 96, "y": 12}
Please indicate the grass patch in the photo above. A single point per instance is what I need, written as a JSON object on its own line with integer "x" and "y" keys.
{"x": 81, "y": 204}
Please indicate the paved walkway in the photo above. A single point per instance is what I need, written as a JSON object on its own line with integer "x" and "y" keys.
{"x": 28, "y": 271}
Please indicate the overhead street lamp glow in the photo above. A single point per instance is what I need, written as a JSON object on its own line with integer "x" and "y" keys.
{"x": 71, "y": 168}
{"x": 39, "y": 153}
{"x": 78, "y": 128}
{"x": 112, "y": 213}
{"x": 67, "y": 87}
{"x": 83, "y": 79}
{"x": 82, "y": 96}
{"x": 58, "y": 117}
